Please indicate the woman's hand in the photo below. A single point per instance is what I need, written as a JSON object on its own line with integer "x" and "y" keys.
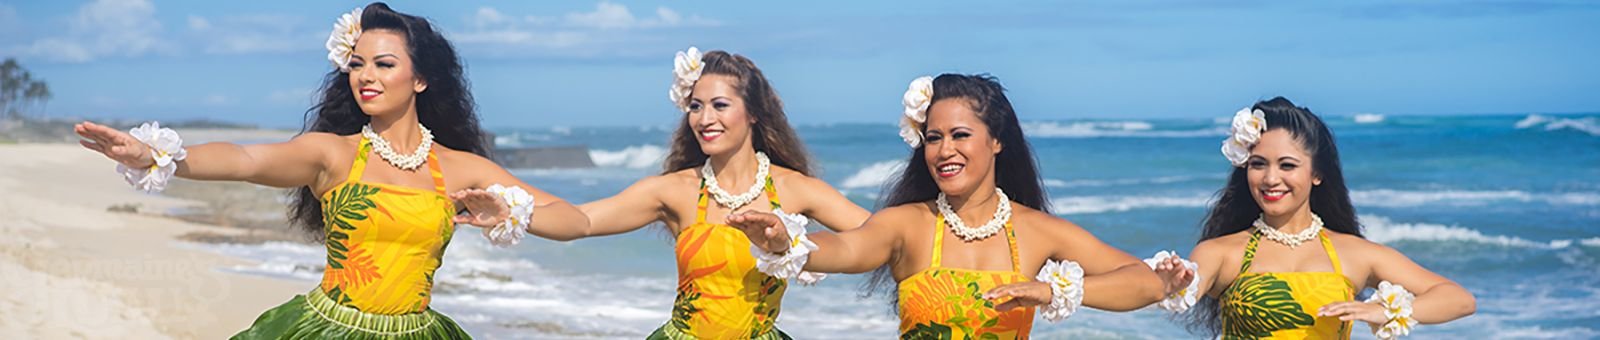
{"x": 1021, "y": 295}
{"x": 1174, "y": 275}
{"x": 117, "y": 145}
{"x": 484, "y": 209}
{"x": 1371, "y": 313}
{"x": 765, "y": 230}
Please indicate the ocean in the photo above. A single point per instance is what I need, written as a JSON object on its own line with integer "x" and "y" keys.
{"x": 1506, "y": 205}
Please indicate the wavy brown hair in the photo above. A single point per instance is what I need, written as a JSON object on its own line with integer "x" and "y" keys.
{"x": 446, "y": 107}
{"x": 771, "y": 133}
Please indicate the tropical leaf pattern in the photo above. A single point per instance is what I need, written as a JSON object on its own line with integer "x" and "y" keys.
{"x": 1281, "y": 305}
{"x": 945, "y": 303}
{"x": 384, "y": 241}
{"x": 720, "y": 293}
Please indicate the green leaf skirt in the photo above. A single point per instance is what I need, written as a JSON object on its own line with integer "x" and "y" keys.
{"x": 668, "y": 332}
{"x": 315, "y": 316}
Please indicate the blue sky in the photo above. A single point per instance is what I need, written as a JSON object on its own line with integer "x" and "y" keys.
{"x": 542, "y": 63}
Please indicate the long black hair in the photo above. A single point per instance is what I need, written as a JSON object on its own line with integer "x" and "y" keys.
{"x": 770, "y": 134}
{"x": 446, "y": 107}
{"x": 1235, "y": 209}
{"x": 1015, "y": 169}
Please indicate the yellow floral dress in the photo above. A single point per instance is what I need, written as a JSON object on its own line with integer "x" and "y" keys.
{"x": 1284, "y": 305}
{"x": 721, "y": 295}
{"x": 947, "y": 303}
{"x": 384, "y": 243}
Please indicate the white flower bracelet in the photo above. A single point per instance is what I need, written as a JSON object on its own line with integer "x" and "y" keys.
{"x": 166, "y": 149}
{"x": 790, "y": 263}
{"x": 1396, "y": 302}
{"x": 511, "y": 231}
{"x": 1180, "y": 301}
{"x": 1066, "y": 289}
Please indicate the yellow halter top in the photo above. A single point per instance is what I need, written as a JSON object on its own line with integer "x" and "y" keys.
{"x": 721, "y": 295}
{"x": 384, "y": 241}
{"x": 948, "y": 303}
{"x": 1284, "y": 305}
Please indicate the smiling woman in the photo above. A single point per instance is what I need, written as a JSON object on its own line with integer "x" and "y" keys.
{"x": 385, "y": 224}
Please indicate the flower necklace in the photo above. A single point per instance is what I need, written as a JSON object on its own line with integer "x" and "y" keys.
{"x": 404, "y": 162}
{"x": 726, "y": 199}
{"x": 1291, "y": 240}
{"x": 1002, "y": 214}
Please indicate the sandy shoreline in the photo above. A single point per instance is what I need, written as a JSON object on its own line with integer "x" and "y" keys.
{"x": 73, "y": 269}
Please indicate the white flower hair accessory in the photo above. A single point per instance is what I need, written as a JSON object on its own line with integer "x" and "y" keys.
{"x": 686, "y": 69}
{"x": 342, "y": 42}
{"x": 1245, "y": 132}
{"x": 916, "y": 100}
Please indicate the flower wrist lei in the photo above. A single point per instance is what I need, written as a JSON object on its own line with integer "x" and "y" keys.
{"x": 1181, "y": 300}
{"x": 166, "y": 149}
{"x": 1066, "y": 289}
{"x": 1396, "y": 302}
{"x": 511, "y": 231}
{"x": 790, "y": 263}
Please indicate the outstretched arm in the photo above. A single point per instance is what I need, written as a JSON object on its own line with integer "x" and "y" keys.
{"x": 1438, "y": 299}
{"x": 298, "y": 162}
{"x": 828, "y": 206}
{"x": 553, "y": 218}
{"x": 853, "y": 251}
{"x": 633, "y": 208}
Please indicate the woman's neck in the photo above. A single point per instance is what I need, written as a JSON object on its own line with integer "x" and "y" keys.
{"x": 734, "y": 169}
{"x": 1293, "y": 222}
{"x": 400, "y": 130}
{"x": 977, "y": 206}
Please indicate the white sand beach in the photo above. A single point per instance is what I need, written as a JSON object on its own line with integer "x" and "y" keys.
{"x": 74, "y": 269}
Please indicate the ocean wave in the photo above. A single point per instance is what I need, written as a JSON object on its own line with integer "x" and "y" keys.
{"x": 873, "y": 176}
{"x": 1104, "y": 204}
{"x": 1368, "y": 118}
{"x": 633, "y": 157}
{"x": 1589, "y": 125}
{"x": 1409, "y": 198}
{"x": 1056, "y": 183}
{"x": 1384, "y": 230}
{"x": 1110, "y": 129}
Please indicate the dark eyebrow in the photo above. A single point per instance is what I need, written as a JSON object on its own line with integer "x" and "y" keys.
{"x": 1289, "y": 158}
{"x": 391, "y": 55}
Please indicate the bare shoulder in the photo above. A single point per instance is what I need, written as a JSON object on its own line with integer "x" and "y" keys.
{"x": 1043, "y": 223}
{"x": 916, "y": 213}
{"x": 326, "y": 141}
{"x": 787, "y": 180}
{"x": 1221, "y": 246}
{"x": 1355, "y": 247}
{"x": 460, "y": 158}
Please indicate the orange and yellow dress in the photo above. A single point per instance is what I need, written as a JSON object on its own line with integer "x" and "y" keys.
{"x": 384, "y": 243}
{"x": 947, "y": 303}
{"x": 721, "y": 295}
{"x": 1284, "y": 305}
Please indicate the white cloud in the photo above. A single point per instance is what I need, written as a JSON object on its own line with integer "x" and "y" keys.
{"x": 608, "y": 24}
{"x": 104, "y": 28}
{"x": 609, "y": 15}
{"x": 255, "y": 33}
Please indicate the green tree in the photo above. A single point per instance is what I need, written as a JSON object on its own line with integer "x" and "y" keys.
{"x": 19, "y": 92}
